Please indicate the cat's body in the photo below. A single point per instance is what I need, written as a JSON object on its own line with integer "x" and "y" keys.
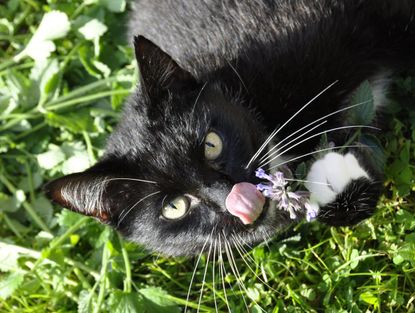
{"x": 239, "y": 69}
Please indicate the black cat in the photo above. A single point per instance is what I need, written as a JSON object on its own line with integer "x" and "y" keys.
{"x": 217, "y": 77}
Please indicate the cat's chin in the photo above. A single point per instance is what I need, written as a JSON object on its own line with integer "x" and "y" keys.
{"x": 269, "y": 223}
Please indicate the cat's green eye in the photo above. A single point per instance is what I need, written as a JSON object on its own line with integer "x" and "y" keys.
{"x": 176, "y": 208}
{"x": 213, "y": 146}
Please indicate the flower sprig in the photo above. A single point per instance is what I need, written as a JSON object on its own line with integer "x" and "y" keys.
{"x": 293, "y": 202}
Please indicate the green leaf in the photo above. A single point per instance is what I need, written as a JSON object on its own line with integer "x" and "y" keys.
{"x": 378, "y": 152}
{"x": 84, "y": 302}
{"x": 9, "y": 256}
{"x": 9, "y": 283}
{"x": 364, "y": 113}
{"x": 93, "y": 29}
{"x": 8, "y": 204}
{"x": 354, "y": 258}
{"x": 67, "y": 218}
{"x": 157, "y": 301}
{"x": 94, "y": 67}
{"x": 76, "y": 122}
{"x": 51, "y": 158}
{"x": 405, "y": 253}
{"x": 77, "y": 163}
{"x": 114, "y": 5}
{"x": 122, "y": 302}
{"x": 37, "y": 181}
{"x": 43, "y": 207}
{"x": 45, "y": 73}
{"x": 369, "y": 298}
{"x": 54, "y": 25}
{"x": 253, "y": 294}
{"x": 406, "y": 219}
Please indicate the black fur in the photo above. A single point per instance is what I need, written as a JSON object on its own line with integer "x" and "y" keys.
{"x": 240, "y": 68}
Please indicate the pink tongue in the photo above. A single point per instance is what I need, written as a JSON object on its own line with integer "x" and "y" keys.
{"x": 245, "y": 202}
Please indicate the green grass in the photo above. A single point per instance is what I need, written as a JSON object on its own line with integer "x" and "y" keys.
{"x": 54, "y": 119}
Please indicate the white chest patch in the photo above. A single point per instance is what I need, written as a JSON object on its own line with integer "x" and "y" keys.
{"x": 330, "y": 175}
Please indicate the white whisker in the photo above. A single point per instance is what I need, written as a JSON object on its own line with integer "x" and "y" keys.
{"x": 237, "y": 274}
{"x": 213, "y": 275}
{"x": 314, "y": 122}
{"x": 307, "y": 181}
{"x": 315, "y": 135}
{"x": 204, "y": 277}
{"x": 129, "y": 179}
{"x": 197, "y": 99}
{"x": 317, "y": 151}
{"x": 239, "y": 76}
{"x": 222, "y": 270}
{"x": 275, "y": 132}
{"x": 237, "y": 246}
{"x": 271, "y": 152}
{"x": 194, "y": 273}
{"x": 235, "y": 271}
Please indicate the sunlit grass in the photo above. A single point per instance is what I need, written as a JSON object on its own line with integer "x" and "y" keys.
{"x": 55, "y": 121}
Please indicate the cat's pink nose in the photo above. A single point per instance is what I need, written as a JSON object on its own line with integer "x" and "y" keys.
{"x": 245, "y": 202}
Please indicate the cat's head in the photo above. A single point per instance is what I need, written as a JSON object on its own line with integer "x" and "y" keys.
{"x": 178, "y": 150}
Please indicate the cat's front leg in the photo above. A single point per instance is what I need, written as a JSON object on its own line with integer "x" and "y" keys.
{"x": 346, "y": 190}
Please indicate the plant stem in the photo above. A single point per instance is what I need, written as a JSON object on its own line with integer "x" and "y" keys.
{"x": 6, "y": 64}
{"x": 37, "y": 255}
{"x": 30, "y": 131}
{"x": 58, "y": 241}
{"x": 30, "y": 180}
{"x": 83, "y": 90}
{"x": 9, "y": 223}
{"x": 103, "y": 279}
{"x": 88, "y": 98}
{"x": 29, "y": 209}
{"x": 127, "y": 279}
{"x": 88, "y": 144}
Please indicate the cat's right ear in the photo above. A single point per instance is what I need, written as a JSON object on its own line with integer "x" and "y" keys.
{"x": 158, "y": 71}
{"x": 82, "y": 193}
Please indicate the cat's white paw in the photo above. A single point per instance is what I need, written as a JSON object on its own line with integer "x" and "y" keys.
{"x": 330, "y": 175}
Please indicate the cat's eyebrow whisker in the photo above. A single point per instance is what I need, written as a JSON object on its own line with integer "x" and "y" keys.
{"x": 314, "y": 122}
{"x": 276, "y": 131}
{"x": 106, "y": 180}
{"x": 194, "y": 271}
{"x": 128, "y": 179}
{"x": 315, "y": 135}
{"x": 197, "y": 100}
{"x": 122, "y": 216}
{"x": 318, "y": 151}
{"x": 239, "y": 76}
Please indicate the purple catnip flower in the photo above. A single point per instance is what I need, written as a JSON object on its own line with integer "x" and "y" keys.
{"x": 292, "y": 202}
{"x": 311, "y": 211}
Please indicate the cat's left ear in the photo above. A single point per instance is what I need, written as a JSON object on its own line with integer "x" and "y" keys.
{"x": 158, "y": 71}
{"x": 82, "y": 193}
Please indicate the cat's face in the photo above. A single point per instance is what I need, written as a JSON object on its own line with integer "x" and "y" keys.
{"x": 171, "y": 163}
